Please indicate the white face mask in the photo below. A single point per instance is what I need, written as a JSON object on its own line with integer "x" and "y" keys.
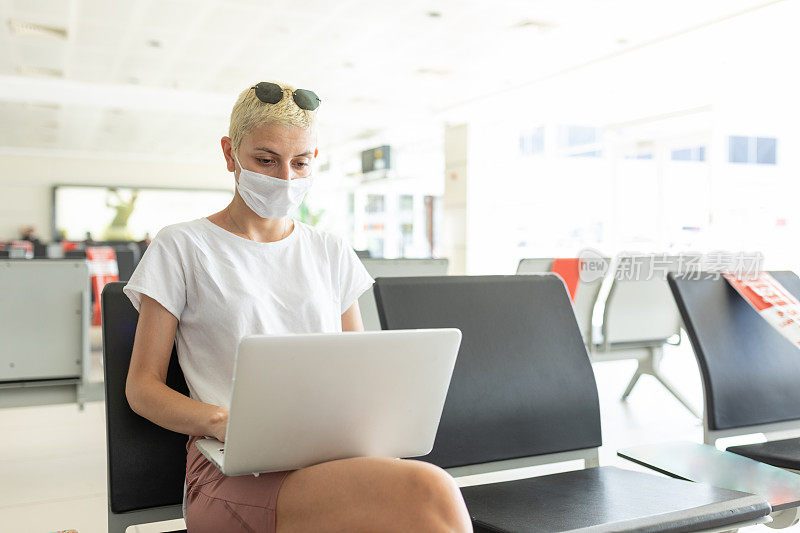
{"x": 270, "y": 197}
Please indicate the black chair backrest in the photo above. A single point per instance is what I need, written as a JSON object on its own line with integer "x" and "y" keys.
{"x": 146, "y": 463}
{"x": 75, "y": 254}
{"x": 39, "y": 250}
{"x": 126, "y": 261}
{"x": 750, "y": 371}
{"x": 523, "y": 384}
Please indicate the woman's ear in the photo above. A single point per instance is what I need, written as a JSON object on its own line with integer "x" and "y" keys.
{"x": 227, "y": 146}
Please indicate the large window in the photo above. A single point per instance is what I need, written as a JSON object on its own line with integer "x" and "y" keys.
{"x": 695, "y": 153}
{"x": 532, "y": 142}
{"x": 375, "y": 203}
{"x": 759, "y": 150}
{"x": 110, "y": 213}
{"x": 580, "y": 141}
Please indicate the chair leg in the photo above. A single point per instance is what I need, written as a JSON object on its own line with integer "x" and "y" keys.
{"x": 650, "y": 365}
{"x": 675, "y": 393}
{"x": 632, "y": 383}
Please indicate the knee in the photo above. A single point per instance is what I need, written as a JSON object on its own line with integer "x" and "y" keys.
{"x": 435, "y": 499}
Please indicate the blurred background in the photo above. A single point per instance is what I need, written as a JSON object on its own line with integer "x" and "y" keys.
{"x": 483, "y": 132}
{"x": 479, "y": 132}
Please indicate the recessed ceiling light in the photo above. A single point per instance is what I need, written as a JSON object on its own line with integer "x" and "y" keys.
{"x": 365, "y": 134}
{"x": 40, "y": 72}
{"x": 433, "y": 71}
{"x": 31, "y": 29}
{"x": 540, "y": 25}
{"x": 50, "y": 107}
{"x": 364, "y": 100}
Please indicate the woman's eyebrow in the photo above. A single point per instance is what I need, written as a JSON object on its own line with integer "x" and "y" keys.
{"x": 273, "y": 152}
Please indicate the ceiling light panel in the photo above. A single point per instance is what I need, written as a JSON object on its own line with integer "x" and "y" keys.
{"x": 25, "y": 28}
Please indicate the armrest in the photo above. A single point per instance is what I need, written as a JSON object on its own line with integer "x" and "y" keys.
{"x": 706, "y": 464}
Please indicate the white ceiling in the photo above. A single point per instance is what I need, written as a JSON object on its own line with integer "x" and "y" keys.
{"x": 158, "y": 77}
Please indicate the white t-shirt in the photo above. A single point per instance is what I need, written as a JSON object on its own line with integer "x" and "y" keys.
{"x": 222, "y": 287}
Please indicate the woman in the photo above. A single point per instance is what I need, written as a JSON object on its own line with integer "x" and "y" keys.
{"x": 249, "y": 269}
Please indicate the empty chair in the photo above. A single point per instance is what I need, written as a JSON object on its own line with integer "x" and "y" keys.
{"x": 750, "y": 372}
{"x": 128, "y": 256}
{"x": 75, "y": 254}
{"x": 585, "y": 294}
{"x": 55, "y": 251}
{"x": 382, "y": 268}
{"x": 523, "y": 393}
{"x": 639, "y": 317}
{"x": 146, "y": 463}
{"x": 44, "y": 327}
{"x": 630, "y": 315}
{"x": 39, "y": 250}
{"x": 16, "y": 252}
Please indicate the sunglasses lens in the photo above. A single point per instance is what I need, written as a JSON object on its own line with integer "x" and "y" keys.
{"x": 269, "y": 93}
{"x": 305, "y": 99}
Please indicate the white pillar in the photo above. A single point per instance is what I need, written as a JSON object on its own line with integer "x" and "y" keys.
{"x": 454, "y": 200}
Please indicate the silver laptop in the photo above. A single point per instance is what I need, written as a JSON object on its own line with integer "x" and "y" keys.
{"x": 300, "y": 400}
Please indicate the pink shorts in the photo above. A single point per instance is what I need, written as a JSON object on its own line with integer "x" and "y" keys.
{"x": 216, "y": 502}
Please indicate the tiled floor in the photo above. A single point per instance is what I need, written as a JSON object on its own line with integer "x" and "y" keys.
{"x": 53, "y": 471}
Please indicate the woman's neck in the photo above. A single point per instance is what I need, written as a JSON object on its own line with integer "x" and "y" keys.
{"x": 242, "y": 221}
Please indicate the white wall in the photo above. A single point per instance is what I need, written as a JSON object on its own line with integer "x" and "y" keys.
{"x": 26, "y": 181}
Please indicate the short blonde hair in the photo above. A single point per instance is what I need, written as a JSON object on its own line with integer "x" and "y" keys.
{"x": 249, "y": 112}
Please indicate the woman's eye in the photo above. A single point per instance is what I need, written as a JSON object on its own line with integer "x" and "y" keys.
{"x": 265, "y": 161}
{"x": 301, "y": 164}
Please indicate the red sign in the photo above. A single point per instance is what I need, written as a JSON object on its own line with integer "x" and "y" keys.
{"x": 102, "y": 269}
{"x": 772, "y": 301}
{"x": 568, "y": 269}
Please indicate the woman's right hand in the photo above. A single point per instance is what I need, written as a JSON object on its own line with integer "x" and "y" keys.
{"x": 218, "y": 424}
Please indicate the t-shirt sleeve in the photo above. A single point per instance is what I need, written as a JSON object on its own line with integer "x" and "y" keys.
{"x": 160, "y": 275}
{"x": 353, "y": 277}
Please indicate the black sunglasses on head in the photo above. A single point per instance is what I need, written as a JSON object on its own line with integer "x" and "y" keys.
{"x": 272, "y": 93}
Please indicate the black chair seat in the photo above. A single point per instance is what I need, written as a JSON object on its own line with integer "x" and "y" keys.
{"x": 781, "y": 453}
{"x": 607, "y": 499}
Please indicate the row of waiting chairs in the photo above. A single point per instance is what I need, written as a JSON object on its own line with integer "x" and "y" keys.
{"x": 628, "y": 313}
{"x": 127, "y": 255}
{"x": 45, "y": 312}
{"x": 523, "y": 393}
{"x": 637, "y": 316}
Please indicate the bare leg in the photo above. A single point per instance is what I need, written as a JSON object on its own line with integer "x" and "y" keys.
{"x": 371, "y": 494}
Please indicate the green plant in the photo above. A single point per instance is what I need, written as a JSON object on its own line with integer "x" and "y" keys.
{"x": 307, "y": 216}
